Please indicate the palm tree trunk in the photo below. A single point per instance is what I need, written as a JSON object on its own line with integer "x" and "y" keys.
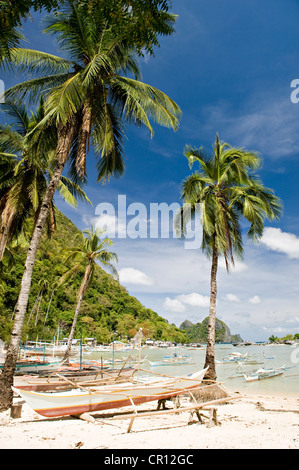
{"x": 82, "y": 290}
{"x": 5, "y": 230}
{"x": 83, "y": 140}
{"x": 210, "y": 350}
{"x": 66, "y": 135}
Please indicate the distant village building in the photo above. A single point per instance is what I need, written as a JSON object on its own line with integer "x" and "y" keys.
{"x": 149, "y": 342}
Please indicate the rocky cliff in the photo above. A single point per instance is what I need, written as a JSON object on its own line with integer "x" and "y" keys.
{"x": 198, "y": 332}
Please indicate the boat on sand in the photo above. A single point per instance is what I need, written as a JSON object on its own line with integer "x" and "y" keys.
{"x": 90, "y": 399}
{"x": 35, "y": 367}
{"x": 67, "y": 381}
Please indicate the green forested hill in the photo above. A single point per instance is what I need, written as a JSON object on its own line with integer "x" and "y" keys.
{"x": 107, "y": 306}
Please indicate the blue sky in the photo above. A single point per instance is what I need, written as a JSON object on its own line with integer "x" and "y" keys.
{"x": 229, "y": 67}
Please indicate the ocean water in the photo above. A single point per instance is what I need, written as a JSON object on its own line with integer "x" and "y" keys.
{"x": 228, "y": 374}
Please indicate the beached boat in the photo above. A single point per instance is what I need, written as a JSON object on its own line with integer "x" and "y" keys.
{"x": 35, "y": 367}
{"x": 82, "y": 400}
{"x": 67, "y": 381}
{"x": 263, "y": 374}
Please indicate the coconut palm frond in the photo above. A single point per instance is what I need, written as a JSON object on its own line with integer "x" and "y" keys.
{"x": 32, "y": 89}
{"x": 38, "y": 63}
{"x": 107, "y": 138}
{"x": 142, "y": 102}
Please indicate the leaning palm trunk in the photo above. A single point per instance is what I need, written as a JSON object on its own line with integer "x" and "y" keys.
{"x": 82, "y": 290}
{"x": 66, "y": 135}
{"x": 210, "y": 351}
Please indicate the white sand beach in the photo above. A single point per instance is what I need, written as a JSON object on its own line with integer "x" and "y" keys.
{"x": 249, "y": 422}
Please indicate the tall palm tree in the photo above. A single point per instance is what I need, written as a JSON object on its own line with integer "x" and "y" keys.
{"x": 91, "y": 252}
{"x": 89, "y": 99}
{"x": 224, "y": 191}
{"x": 26, "y": 167}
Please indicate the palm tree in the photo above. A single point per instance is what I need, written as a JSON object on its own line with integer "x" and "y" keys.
{"x": 26, "y": 169}
{"x": 223, "y": 191}
{"x": 92, "y": 251}
{"x": 88, "y": 101}
{"x": 130, "y": 14}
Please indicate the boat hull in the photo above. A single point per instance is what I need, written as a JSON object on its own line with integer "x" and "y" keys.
{"x": 262, "y": 376}
{"x": 39, "y": 384}
{"x": 77, "y": 402}
{"x": 170, "y": 363}
{"x": 36, "y": 367}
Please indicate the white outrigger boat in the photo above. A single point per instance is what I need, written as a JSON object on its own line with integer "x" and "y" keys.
{"x": 263, "y": 374}
{"x": 84, "y": 400}
{"x": 173, "y": 360}
{"x": 234, "y": 358}
{"x": 35, "y": 367}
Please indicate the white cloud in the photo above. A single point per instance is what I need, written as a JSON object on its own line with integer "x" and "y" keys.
{"x": 194, "y": 299}
{"x": 173, "y": 305}
{"x": 255, "y": 300}
{"x": 178, "y": 304}
{"x": 278, "y": 329}
{"x": 231, "y": 298}
{"x": 282, "y": 242}
{"x": 174, "y": 268}
{"x": 134, "y": 276}
{"x": 238, "y": 267}
{"x": 293, "y": 320}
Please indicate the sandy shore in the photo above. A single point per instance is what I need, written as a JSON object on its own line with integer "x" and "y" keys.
{"x": 250, "y": 422}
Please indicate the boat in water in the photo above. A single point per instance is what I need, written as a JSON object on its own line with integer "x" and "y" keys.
{"x": 261, "y": 373}
{"x": 172, "y": 360}
{"x": 234, "y": 358}
{"x": 84, "y": 400}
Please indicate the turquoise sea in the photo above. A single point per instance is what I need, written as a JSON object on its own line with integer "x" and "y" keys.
{"x": 230, "y": 375}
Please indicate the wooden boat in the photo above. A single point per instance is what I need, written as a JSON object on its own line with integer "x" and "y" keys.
{"x": 83, "y": 400}
{"x": 263, "y": 374}
{"x": 228, "y": 361}
{"x": 234, "y": 358}
{"x": 67, "y": 381}
{"x": 173, "y": 360}
{"x": 37, "y": 367}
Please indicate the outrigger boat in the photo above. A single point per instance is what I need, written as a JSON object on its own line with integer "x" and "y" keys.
{"x": 263, "y": 374}
{"x": 35, "y": 367}
{"x": 173, "y": 360}
{"x": 67, "y": 381}
{"x": 84, "y": 400}
{"x": 234, "y": 358}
